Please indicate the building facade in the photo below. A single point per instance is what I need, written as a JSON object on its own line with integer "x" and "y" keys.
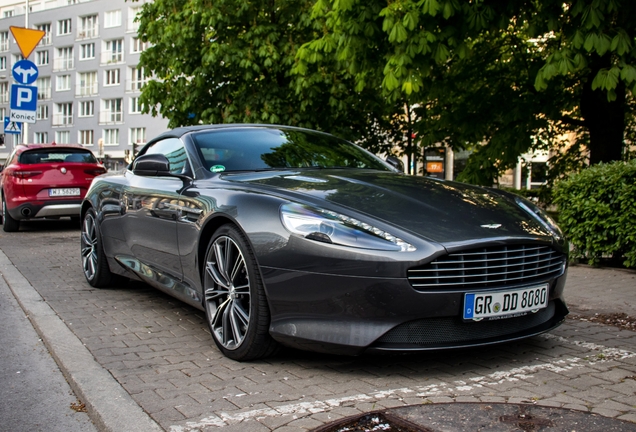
{"x": 89, "y": 82}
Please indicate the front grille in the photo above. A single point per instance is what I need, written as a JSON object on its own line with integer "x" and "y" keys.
{"x": 452, "y": 331}
{"x": 496, "y": 266}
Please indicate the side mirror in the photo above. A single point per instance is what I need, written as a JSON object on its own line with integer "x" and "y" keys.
{"x": 151, "y": 165}
{"x": 395, "y": 163}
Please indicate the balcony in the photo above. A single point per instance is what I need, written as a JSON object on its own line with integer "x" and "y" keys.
{"x": 134, "y": 86}
{"x": 87, "y": 33}
{"x": 109, "y": 57}
{"x": 62, "y": 120}
{"x": 62, "y": 64}
{"x": 86, "y": 89}
{"x": 110, "y": 117}
{"x": 44, "y": 93}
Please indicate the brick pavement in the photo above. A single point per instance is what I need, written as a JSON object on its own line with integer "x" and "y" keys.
{"x": 160, "y": 351}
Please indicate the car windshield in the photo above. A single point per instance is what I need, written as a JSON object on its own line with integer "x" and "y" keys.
{"x": 256, "y": 149}
{"x": 45, "y": 155}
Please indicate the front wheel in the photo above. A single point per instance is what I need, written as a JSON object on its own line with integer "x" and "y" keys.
{"x": 8, "y": 223}
{"x": 235, "y": 302}
{"x": 94, "y": 261}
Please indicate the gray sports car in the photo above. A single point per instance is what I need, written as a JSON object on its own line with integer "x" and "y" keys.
{"x": 289, "y": 236}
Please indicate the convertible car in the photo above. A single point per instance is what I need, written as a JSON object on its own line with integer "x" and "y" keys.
{"x": 287, "y": 236}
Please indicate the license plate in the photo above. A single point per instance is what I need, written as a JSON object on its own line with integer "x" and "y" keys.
{"x": 505, "y": 304}
{"x": 64, "y": 192}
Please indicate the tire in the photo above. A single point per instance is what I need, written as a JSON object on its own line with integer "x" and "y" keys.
{"x": 94, "y": 261}
{"x": 8, "y": 223}
{"x": 235, "y": 302}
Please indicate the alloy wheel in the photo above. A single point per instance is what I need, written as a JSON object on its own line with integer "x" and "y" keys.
{"x": 227, "y": 292}
{"x": 89, "y": 243}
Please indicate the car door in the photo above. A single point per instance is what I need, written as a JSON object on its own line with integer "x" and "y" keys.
{"x": 151, "y": 215}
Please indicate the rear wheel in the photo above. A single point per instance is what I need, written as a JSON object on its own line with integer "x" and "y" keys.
{"x": 8, "y": 223}
{"x": 235, "y": 302}
{"x": 94, "y": 261}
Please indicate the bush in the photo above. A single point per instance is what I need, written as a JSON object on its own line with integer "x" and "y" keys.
{"x": 597, "y": 212}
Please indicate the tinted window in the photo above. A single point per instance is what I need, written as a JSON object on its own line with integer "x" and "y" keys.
{"x": 266, "y": 148}
{"x": 56, "y": 155}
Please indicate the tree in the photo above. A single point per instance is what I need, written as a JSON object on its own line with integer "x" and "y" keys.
{"x": 502, "y": 76}
{"x": 230, "y": 61}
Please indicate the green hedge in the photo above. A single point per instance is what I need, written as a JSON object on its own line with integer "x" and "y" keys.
{"x": 597, "y": 212}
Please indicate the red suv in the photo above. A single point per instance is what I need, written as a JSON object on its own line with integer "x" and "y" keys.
{"x": 45, "y": 181}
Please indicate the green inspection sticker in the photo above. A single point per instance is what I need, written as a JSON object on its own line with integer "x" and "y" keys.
{"x": 217, "y": 168}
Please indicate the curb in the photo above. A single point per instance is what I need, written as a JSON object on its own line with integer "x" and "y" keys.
{"x": 109, "y": 406}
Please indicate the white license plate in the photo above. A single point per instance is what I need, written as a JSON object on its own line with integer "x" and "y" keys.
{"x": 503, "y": 303}
{"x": 64, "y": 192}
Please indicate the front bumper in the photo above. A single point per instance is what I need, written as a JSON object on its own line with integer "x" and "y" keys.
{"x": 350, "y": 315}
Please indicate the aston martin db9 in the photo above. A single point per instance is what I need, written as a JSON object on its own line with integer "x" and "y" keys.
{"x": 287, "y": 236}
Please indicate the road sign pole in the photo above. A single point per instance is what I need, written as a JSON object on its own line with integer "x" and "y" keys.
{"x": 25, "y": 125}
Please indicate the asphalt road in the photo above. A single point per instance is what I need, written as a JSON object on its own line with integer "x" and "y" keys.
{"x": 134, "y": 354}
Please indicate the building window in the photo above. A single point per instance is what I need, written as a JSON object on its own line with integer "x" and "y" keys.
{"x": 138, "y": 135}
{"x": 4, "y": 92}
{"x": 42, "y": 58}
{"x": 137, "y": 45}
{"x": 63, "y": 114}
{"x": 112, "y": 19}
{"x": 112, "y": 77}
{"x": 87, "y": 51}
{"x": 111, "y": 136}
{"x": 4, "y": 41}
{"x": 44, "y": 87}
{"x": 87, "y": 84}
{"x": 41, "y": 137}
{"x": 133, "y": 23}
{"x": 46, "y": 28}
{"x": 114, "y": 51}
{"x": 64, "y": 59}
{"x": 17, "y": 58}
{"x": 3, "y": 63}
{"x": 87, "y": 108}
{"x": 135, "y": 105}
{"x": 63, "y": 82}
{"x": 86, "y": 137}
{"x": 42, "y": 112}
{"x": 8, "y": 13}
{"x": 64, "y": 27}
{"x": 112, "y": 111}
{"x": 63, "y": 137}
{"x": 137, "y": 79}
{"x": 88, "y": 27}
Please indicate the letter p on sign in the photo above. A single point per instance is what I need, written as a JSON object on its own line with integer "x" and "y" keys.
{"x": 24, "y": 97}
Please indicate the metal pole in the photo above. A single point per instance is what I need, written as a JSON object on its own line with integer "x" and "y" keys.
{"x": 25, "y": 125}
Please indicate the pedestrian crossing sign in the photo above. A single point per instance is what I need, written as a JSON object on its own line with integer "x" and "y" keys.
{"x": 12, "y": 127}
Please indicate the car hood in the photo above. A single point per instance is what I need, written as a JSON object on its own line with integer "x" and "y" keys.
{"x": 442, "y": 211}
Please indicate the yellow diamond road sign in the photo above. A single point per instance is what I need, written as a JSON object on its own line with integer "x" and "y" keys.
{"x": 27, "y": 39}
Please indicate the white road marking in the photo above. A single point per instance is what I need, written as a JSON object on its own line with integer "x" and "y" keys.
{"x": 598, "y": 354}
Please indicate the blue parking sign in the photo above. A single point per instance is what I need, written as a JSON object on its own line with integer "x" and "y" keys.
{"x": 24, "y": 97}
{"x": 24, "y": 103}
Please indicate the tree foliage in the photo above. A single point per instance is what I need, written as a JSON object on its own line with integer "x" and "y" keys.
{"x": 501, "y": 77}
{"x": 230, "y": 61}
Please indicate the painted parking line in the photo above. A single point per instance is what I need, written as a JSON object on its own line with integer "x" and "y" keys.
{"x": 595, "y": 354}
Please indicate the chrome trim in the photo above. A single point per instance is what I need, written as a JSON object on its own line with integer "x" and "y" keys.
{"x": 59, "y": 210}
{"x": 511, "y": 265}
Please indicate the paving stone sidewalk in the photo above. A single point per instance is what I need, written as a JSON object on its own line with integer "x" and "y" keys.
{"x": 160, "y": 351}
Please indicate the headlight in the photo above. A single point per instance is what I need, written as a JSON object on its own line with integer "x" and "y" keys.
{"x": 540, "y": 216}
{"x": 331, "y": 227}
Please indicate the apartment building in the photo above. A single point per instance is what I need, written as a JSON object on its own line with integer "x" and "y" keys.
{"x": 89, "y": 82}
